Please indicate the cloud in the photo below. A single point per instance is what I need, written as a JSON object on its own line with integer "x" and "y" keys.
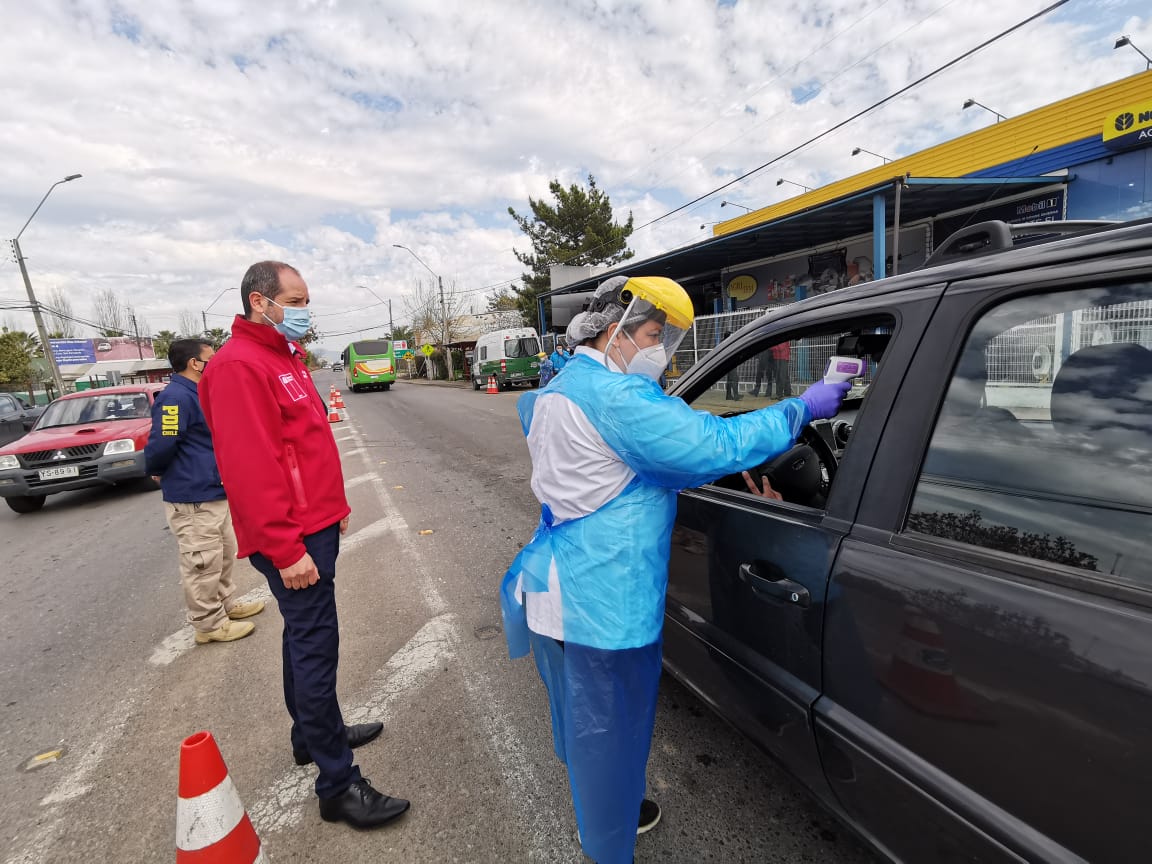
{"x": 211, "y": 136}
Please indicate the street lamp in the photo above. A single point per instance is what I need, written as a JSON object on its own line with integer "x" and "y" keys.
{"x": 443, "y": 313}
{"x": 1124, "y": 40}
{"x": 55, "y": 370}
{"x": 858, "y": 150}
{"x": 734, "y": 204}
{"x": 968, "y": 103}
{"x": 794, "y": 183}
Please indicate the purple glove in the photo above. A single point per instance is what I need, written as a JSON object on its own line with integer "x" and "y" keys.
{"x": 823, "y": 400}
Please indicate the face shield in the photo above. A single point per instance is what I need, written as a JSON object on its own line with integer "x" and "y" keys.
{"x": 657, "y": 316}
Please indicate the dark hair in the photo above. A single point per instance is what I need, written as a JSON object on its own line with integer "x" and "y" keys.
{"x": 264, "y": 278}
{"x": 183, "y": 350}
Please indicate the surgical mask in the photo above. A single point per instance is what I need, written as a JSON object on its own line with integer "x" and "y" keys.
{"x": 295, "y": 324}
{"x": 650, "y": 361}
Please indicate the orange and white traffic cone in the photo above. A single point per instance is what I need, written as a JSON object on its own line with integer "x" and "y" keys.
{"x": 333, "y": 414}
{"x": 338, "y": 400}
{"x": 492, "y": 388}
{"x": 212, "y": 826}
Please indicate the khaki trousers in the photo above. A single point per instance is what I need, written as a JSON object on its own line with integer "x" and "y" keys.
{"x": 207, "y": 552}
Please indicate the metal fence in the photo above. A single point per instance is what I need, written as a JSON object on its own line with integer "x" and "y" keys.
{"x": 1031, "y": 353}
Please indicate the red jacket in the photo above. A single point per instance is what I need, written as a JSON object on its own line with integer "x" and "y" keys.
{"x": 274, "y": 447}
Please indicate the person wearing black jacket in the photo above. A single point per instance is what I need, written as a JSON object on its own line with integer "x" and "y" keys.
{"x": 179, "y": 453}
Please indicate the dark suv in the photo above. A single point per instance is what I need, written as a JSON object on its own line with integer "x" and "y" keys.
{"x": 944, "y": 628}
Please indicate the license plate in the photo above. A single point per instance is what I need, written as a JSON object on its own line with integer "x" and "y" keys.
{"x": 59, "y": 473}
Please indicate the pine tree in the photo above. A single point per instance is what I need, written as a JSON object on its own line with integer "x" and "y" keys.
{"x": 577, "y": 230}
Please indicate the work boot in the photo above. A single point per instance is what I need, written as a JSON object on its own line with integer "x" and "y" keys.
{"x": 361, "y": 806}
{"x": 246, "y": 610}
{"x": 649, "y": 816}
{"x": 359, "y": 734}
{"x": 229, "y": 631}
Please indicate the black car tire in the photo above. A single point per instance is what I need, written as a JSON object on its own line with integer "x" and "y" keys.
{"x": 26, "y": 503}
{"x": 475, "y": 383}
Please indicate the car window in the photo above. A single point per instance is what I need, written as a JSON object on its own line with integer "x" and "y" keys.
{"x": 528, "y": 346}
{"x": 761, "y": 374}
{"x": 96, "y": 408}
{"x": 8, "y": 406}
{"x": 1043, "y": 446}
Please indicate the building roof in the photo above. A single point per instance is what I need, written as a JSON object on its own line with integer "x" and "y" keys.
{"x": 1049, "y": 138}
{"x": 831, "y": 221}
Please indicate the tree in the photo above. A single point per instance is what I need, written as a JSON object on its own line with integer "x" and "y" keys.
{"x": 402, "y": 334}
{"x": 15, "y": 358}
{"x": 162, "y": 341}
{"x": 188, "y": 325}
{"x": 579, "y": 230}
{"x": 58, "y": 314}
{"x": 429, "y": 318}
{"x": 217, "y": 336}
{"x": 113, "y": 316}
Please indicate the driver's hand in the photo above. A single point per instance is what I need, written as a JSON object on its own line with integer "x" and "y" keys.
{"x": 766, "y": 492}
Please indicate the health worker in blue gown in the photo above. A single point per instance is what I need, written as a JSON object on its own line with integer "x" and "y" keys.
{"x": 609, "y": 452}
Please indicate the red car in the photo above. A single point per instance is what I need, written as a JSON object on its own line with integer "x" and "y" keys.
{"x": 90, "y": 438}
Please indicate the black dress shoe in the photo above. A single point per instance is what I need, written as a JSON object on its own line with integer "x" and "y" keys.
{"x": 358, "y": 735}
{"x": 361, "y": 806}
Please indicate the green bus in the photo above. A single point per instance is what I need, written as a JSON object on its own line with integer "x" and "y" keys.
{"x": 369, "y": 365}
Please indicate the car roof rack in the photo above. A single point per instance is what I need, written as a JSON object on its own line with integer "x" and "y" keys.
{"x": 988, "y": 238}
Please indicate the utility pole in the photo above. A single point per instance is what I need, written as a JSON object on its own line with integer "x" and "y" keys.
{"x": 444, "y": 341}
{"x": 136, "y": 331}
{"x": 391, "y": 326}
{"x": 57, "y": 381}
{"x": 204, "y": 315}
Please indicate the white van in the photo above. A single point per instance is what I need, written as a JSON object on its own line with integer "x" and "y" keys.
{"x": 511, "y": 356}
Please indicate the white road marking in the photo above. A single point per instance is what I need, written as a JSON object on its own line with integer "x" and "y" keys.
{"x": 371, "y": 531}
{"x": 183, "y": 639}
{"x": 76, "y": 783}
{"x": 358, "y": 479}
{"x": 278, "y": 808}
{"x": 520, "y": 780}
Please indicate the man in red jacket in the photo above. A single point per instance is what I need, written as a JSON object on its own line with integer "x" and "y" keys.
{"x": 281, "y": 469}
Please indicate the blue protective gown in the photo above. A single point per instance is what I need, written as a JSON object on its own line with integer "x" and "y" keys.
{"x": 612, "y": 567}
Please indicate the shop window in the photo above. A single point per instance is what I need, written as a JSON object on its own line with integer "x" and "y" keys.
{"x": 1043, "y": 447}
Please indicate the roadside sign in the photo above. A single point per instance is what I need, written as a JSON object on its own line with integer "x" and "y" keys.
{"x": 427, "y": 350}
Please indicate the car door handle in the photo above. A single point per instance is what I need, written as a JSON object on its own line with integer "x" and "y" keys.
{"x": 788, "y": 590}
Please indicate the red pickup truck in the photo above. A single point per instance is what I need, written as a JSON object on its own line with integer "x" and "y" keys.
{"x": 90, "y": 438}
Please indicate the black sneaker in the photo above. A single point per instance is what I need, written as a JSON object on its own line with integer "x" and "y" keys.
{"x": 649, "y": 816}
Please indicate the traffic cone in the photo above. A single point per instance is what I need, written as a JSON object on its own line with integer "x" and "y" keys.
{"x": 338, "y": 400}
{"x": 920, "y": 671}
{"x": 212, "y": 826}
{"x": 492, "y": 388}
{"x": 333, "y": 414}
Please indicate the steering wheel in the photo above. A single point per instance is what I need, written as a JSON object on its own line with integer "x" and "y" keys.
{"x": 796, "y": 473}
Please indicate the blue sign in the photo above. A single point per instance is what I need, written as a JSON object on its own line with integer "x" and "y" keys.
{"x": 72, "y": 352}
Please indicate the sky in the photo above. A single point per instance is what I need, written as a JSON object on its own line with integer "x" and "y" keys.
{"x": 216, "y": 133}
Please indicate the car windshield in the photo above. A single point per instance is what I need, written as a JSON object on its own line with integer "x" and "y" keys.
{"x": 95, "y": 409}
{"x": 526, "y": 346}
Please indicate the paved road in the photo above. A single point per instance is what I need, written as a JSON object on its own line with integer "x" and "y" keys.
{"x": 95, "y": 657}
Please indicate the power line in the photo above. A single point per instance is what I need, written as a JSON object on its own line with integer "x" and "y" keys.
{"x": 865, "y": 111}
{"x": 875, "y": 105}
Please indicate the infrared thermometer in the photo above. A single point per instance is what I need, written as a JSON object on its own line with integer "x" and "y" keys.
{"x": 843, "y": 369}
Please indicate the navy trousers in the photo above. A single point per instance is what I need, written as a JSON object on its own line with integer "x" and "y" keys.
{"x": 311, "y": 652}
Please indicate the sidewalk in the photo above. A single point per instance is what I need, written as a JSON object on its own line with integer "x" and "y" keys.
{"x": 459, "y": 385}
